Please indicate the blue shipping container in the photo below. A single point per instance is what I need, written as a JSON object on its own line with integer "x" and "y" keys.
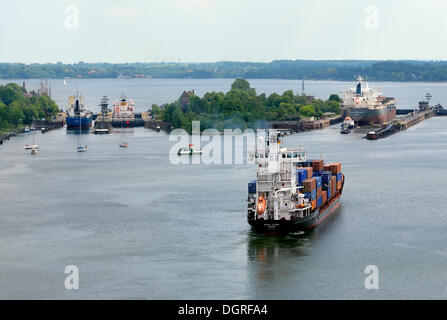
{"x": 326, "y": 176}
{"x": 252, "y": 187}
{"x": 338, "y": 176}
{"x": 319, "y": 202}
{"x": 319, "y": 182}
{"x": 301, "y": 175}
{"x": 311, "y": 195}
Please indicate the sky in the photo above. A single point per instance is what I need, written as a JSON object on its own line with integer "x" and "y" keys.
{"x": 121, "y": 31}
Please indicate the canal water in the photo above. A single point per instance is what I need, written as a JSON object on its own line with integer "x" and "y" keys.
{"x": 140, "y": 227}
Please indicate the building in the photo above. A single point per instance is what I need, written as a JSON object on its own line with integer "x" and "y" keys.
{"x": 184, "y": 99}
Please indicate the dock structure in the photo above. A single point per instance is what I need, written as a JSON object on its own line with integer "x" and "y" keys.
{"x": 403, "y": 123}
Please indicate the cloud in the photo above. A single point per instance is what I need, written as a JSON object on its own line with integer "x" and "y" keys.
{"x": 126, "y": 12}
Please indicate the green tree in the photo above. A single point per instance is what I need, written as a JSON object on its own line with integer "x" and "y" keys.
{"x": 241, "y": 84}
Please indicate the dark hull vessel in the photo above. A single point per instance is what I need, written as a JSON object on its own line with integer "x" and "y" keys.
{"x": 367, "y": 116}
{"x": 305, "y": 224}
{"x": 74, "y": 123}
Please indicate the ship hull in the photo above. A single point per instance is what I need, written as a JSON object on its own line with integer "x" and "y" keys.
{"x": 367, "y": 116}
{"x": 74, "y": 123}
{"x": 306, "y": 224}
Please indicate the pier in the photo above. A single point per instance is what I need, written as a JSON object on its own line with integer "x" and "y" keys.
{"x": 409, "y": 119}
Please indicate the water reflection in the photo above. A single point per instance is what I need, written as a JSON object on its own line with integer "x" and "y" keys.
{"x": 267, "y": 255}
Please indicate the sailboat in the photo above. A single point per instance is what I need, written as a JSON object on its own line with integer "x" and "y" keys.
{"x": 80, "y": 148}
{"x": 32, "y": 146}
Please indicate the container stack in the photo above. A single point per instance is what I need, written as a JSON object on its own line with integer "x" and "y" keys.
{"x": 310, "y": 191}
{"x": 335, "y": 168}
{"x": 320, "y": 182}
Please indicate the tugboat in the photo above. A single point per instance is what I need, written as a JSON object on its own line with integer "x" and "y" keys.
{"x": 348, "y": 122}
{"x": 291, "y": 193}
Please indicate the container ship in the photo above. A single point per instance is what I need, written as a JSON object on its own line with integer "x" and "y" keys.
{"x": 78, "y": 115}
{"x": 291, "y": 193}
{"x": 367, "y": 106}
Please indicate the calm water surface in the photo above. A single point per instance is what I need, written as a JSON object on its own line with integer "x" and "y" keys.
{"x": 139, "y": 227}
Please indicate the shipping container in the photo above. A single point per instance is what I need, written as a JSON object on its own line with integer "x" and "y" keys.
{"x": 319, "y": 182}
{"x": 338, "y": 185}
{"x": 319, "y": 202}
{"x": 309, "y": 172}
{"x": 324, "y": 197}
{"x": 335, "y": 167}
{"x": 319, "y": 192}
{"x": 338, "y": 176}
{"x": 314, "y": 204}
{"x": 301, "y": 176}
{"x": 326, "y": 177}
{"x": 310, "y": 195}
{"x": 334, "y": 184}
{"x": 310, "y": 185}
{"x": 252, "y": 187}
{"x": 317, "y": 165}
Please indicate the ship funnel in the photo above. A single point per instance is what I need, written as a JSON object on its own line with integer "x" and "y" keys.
{"x": 359, "y": 88}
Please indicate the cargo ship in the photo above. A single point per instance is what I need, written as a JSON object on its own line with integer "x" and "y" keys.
{"x": 291, "y": 193}
{"x": 124, "y": 109}
{"x": 367, "y": 106}
{"x": 78, "y": 115}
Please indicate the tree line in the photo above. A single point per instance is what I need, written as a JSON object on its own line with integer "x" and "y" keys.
{"x": 344, "y": 70}
{"x": 18, "y": 107}
{"x": 242, "y": 108}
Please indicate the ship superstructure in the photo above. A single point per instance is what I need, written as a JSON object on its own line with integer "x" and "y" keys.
{"x": 291, "y": 193}
{"x": 367, "y": 106}
{"x": 124, "y": 109}
{"x": 78, "y": 115}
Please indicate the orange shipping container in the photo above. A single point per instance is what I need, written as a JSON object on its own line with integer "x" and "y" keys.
{"x": 324, "y": 196}
{"x": 334, "y": 167}
{"x": 334, "y": 184}
{"x": 314, "y": 204}
{"x": 310, "y": 185}
{"x": 310, "y": 172}
{"x": 339, "y": 185}
{"x": 319, "y": 192}
{"x": 317, "y": 165}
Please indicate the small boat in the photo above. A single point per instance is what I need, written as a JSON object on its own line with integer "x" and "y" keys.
{"x": 124, "y": 145}
{"x": 372, "y": 135}
{"x": 26, "y": 130}
{"x": 157, "y": 129}
{"x": 345, "y": 130}
{"x": 31, "y": 146}
{"x": 348, "y": 122}
{"x": 190, "y": 150}
{"x": 43, "y": 130}
{"x": 82, "y": 148}
{"x": 33, "y": 152}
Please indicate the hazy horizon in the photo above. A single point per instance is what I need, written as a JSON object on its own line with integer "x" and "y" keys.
{"x": 206, "y": 31}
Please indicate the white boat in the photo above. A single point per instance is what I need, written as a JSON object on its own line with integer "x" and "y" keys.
{"x": 190, "y": 150}
{"x": 33, "y": 152}
{"x": 26, "y": 130}
{"x": 31, "y": 146}
{"x": 124, "y": 145}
